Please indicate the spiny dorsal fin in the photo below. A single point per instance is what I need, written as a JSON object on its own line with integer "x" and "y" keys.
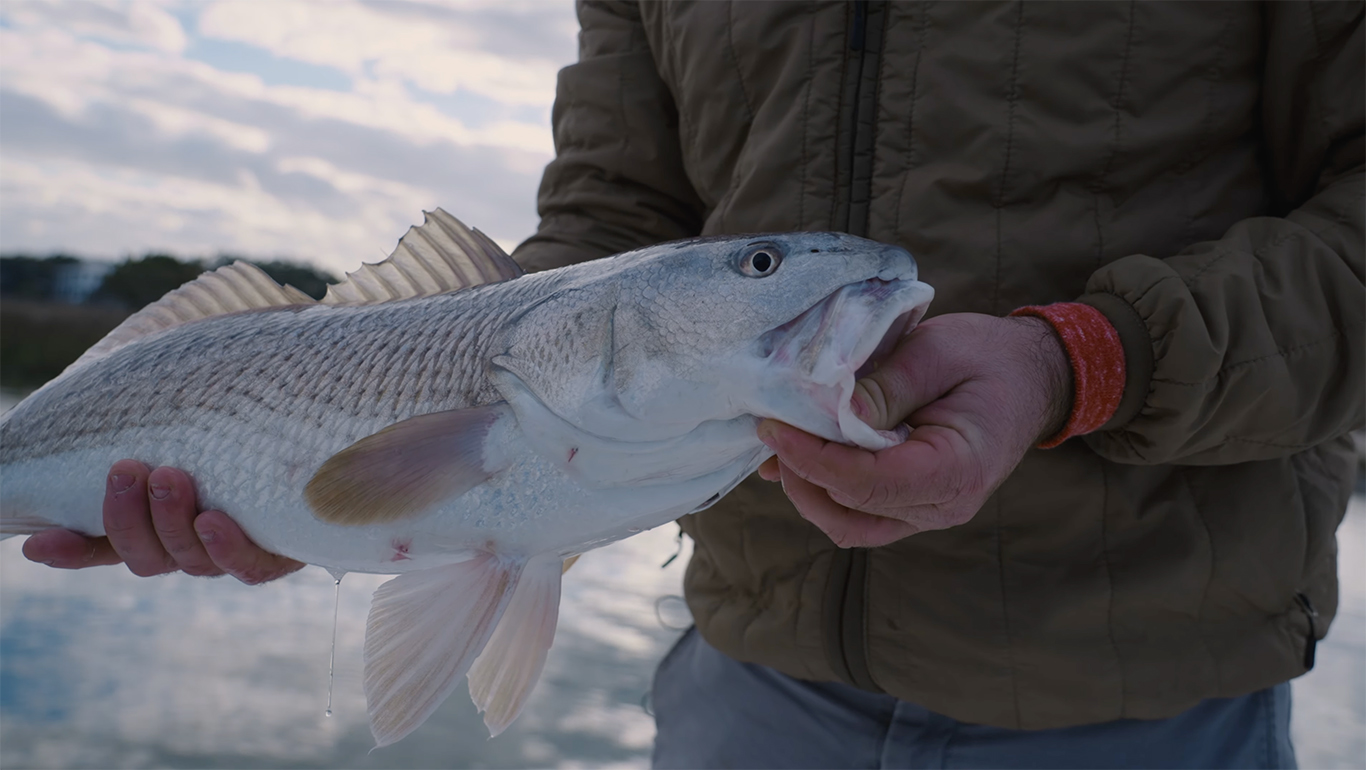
{"x": 440, "y": 256}
{"x": 229, "y": 289}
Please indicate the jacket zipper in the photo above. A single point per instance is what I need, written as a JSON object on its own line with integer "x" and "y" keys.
{"x": 1311, "y": 644}
{"x": 859, "y": 114}
{"x": 847, "y": 590}
{"x": 860, "y": 26}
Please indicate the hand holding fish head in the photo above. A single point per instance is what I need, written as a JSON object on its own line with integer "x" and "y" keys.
{"x": 976, "y": 392}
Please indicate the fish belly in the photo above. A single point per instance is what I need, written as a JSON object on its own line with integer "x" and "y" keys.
{"x": 256, "y": 478}
{"x": 529, "y": 508}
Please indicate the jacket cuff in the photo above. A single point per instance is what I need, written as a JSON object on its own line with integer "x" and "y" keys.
{"x": 1098, "y": 364}
{"x": 1138, "y": 354}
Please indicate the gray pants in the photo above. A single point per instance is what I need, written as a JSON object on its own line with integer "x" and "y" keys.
{"x": 712, "y": 711}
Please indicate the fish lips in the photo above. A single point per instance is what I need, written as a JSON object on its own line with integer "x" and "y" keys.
{"x": 814, "y": 360}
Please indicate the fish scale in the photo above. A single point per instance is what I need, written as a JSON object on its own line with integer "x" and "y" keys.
{"x": 468, "y": 437}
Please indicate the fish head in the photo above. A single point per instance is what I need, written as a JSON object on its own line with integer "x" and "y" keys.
{"x": 776, "y": 326}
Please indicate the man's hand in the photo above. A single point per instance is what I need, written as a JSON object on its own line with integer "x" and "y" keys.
{"x": 977, "y": 391}
{"x": 153, "y": 524}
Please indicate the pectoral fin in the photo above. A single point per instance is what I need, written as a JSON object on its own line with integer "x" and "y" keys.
{"x": 425, "y": 630}
{"x": 507, "y": 670}
{"x": 405, "y": 469}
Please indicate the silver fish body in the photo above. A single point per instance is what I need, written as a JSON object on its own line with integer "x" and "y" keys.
{"x": 475, "y": 439}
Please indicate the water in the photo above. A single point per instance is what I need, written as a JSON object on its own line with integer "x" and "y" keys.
{"x": 100, "y": 668}
{"x": 104, "y": 669}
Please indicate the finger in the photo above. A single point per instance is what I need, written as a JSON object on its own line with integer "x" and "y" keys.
{"x": 128, "y": 522}
{"x": 917, "y": 372}
{"x": 768, "y": 471}
{"x": 171, "y": 497}
{"x": 235, "y": 554}
{"x": 923, "y": 470}
{"x": 824, "y": 463}
{"x": 64, "y": 549}
{"x": 846, "y": 528}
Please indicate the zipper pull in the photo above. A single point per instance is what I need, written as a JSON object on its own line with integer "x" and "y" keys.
{"x": 1312, "y": 643}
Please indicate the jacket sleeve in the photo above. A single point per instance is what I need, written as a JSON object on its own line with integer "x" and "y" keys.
{"x": 617, "y": 181}
{"x": 1251, "y": 347}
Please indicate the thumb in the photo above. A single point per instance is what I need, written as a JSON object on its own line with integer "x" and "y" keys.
{"x": 914, "y": 375}
{"x": 871, "y": 404}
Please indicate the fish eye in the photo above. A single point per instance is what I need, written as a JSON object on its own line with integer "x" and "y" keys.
{"x": 760, "y": 260}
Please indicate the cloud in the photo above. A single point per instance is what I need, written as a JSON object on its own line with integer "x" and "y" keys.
{"x": 141, "y": 24}
{"x": 73, "y": 74}
{"x": 112, "y": 147}
{"x": 440, "y": 50}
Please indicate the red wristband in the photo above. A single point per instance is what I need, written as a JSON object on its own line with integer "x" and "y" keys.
{"x": 1097, "y": 358}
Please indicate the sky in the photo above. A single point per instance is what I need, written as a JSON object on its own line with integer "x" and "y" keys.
{"x": 317, "y": 131}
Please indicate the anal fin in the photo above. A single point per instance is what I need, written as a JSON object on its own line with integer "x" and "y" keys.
{"x": 507, "y": 670}
{"x": 424, "y": 632}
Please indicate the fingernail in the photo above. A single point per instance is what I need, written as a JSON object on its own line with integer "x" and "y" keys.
{"x": 859, "y": 407}
{"x": 858, "y": 403}
{"x": 208, "y": 535}
{"x": 119, "y": 482}
{"x": 160, "y": 492}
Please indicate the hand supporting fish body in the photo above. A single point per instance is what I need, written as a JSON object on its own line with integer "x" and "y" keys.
{"x": 443, "y": 417}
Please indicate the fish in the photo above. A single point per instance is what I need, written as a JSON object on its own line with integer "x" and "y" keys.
{"x": 446, "y": 418}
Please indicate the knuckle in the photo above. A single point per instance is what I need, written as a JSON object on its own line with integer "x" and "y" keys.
{"x": 146, "y": 569}
{"x": 842, "y": 538}
{"x": 176, "y": 544}
{"x": 875, "y": 495}
{"x": 958, "y": 515}
{"x": 249, "y": 576}
{"x": 121, "y": 525}
{"x": 947, "y": 515}
{"x": 175, "y": 539}
{"x": 879, "y": 494}
{"x": 844, "y": 501}
{"x": 255, "y": 574}
{"x": 252, "y": 577}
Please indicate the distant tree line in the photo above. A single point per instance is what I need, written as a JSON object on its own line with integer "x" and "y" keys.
{"x": 135, "y": 282}
{"x": 54, "y": 307}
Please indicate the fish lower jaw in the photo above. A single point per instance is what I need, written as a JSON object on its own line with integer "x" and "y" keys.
{"x": 900, "y": 304}
{"x": 900, "y": 327}
{"x": 896, "y": 308}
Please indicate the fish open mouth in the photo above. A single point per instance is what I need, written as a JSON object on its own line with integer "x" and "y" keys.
{"x": 900, "y": 327}
{"x": 826, "y": 349}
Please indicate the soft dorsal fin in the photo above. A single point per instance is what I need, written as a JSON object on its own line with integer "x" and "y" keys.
{"x": 440, "y": 256}
{"x": 229, "y": 289}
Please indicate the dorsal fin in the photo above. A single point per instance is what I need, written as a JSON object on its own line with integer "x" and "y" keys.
{"x": 229, "y": 289}
{"x": 440, "y": 256}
